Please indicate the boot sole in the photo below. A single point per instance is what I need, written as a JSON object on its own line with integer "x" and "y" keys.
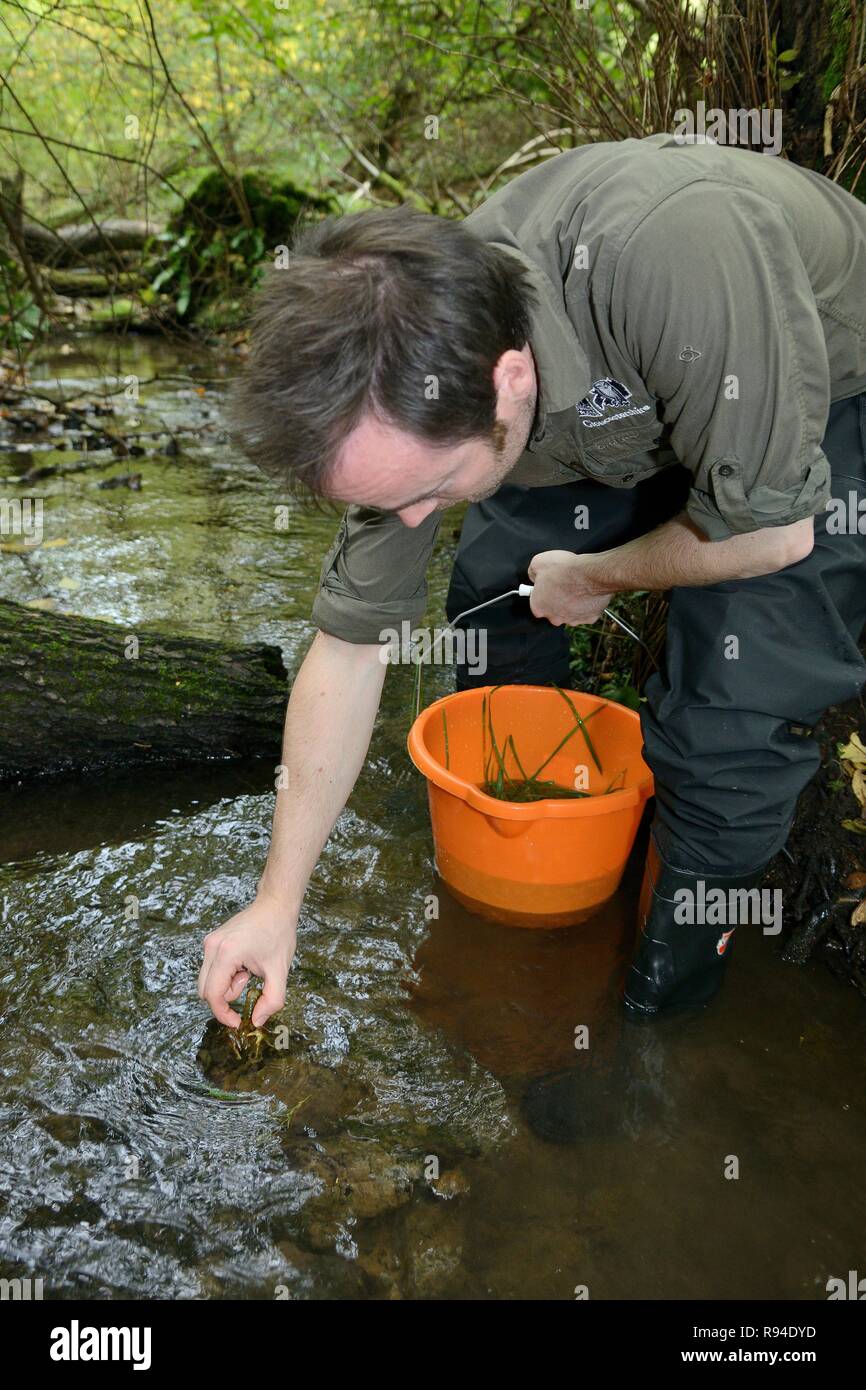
{"x": 639, "y": 1013}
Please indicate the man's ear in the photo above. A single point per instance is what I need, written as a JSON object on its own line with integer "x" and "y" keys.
{"x": 514, "y": 374}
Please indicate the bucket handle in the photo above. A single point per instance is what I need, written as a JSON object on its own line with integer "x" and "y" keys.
{"x": 508, "y": 829}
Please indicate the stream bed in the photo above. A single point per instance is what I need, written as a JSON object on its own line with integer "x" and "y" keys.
{"x": 385, "y": 1153}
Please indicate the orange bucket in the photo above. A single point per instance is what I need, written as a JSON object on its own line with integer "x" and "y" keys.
{"x": 545, "y": 863}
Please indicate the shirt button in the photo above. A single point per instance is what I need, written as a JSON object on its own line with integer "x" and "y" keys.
{"x": 725, "y": 470}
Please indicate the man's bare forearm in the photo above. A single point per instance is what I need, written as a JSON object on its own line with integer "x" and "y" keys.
{"x": 329, "y": 722}
{"x": 676, "y": 554}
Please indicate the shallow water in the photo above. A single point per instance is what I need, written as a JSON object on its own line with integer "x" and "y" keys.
{"x": 126, "y": 1171}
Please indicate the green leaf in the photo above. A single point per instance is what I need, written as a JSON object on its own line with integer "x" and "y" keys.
{"x": 165, "y": 274}
{"x": 182, "y": 302}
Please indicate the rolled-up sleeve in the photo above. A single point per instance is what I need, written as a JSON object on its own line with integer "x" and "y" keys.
{"x": 712, "y": 302}
{"x": 374, "y": 575}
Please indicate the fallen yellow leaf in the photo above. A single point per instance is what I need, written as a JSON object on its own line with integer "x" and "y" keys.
{"x": 853, "y": 751}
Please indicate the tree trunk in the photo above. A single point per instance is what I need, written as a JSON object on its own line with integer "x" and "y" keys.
{"x": 71, "y": 245}
{"x": 77, "y": 695}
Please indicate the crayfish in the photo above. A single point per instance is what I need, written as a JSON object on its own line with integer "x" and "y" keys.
{"x": 247, "y": 1041}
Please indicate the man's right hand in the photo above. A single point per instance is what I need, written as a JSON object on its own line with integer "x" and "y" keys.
{"x": 329, "y": 721}
{"x": 259, "y": 940}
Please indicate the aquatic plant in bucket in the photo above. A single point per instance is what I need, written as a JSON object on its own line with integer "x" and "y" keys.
{"x": 505, "y": 786}
{"x": 510, "y": 845}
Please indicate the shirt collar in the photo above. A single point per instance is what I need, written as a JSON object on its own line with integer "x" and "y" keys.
{"x": 563, "y": 367}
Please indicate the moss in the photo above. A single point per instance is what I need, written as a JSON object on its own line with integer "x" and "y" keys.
{"x": 274, "y": 205}
{"x": 840, "y": 29}
{"x": 115, "y": 313}
{"x": 840, "y": 44}
{"x": 71, "y": 698}
{"x": 214, "y": 256}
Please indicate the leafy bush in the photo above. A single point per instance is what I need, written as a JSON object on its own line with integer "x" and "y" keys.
{"x": 20, "y": 315}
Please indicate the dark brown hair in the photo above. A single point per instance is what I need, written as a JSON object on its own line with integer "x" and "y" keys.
{"x": 395, "y": 312}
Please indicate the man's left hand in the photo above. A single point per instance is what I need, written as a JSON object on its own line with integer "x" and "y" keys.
{"x": 565, "y": 590}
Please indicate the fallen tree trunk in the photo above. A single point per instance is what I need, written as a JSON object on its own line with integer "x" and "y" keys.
{"x": 90, "y": 284}
{"x": 71, "y": 245}
{"x": 78, "y": 695}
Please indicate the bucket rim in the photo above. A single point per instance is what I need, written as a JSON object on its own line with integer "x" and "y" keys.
{"x": 547, "y": 809}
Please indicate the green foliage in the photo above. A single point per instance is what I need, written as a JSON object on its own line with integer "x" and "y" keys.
{"x": 124, "y": 108}
{"x": 840, "y": 19}
{"x": 211, "y": 258}
{"x": 20, "y": 316}
{"x": 781, "y": 65}
{"x": 435, "y": 103}
{"x": 605, "y": 661}
{"x": 623, "y": 692}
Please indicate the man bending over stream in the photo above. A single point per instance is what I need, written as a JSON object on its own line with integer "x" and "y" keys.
{"x": 671, "y": 336}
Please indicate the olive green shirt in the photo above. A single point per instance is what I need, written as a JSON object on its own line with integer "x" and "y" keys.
{"x": 698, "y": 304}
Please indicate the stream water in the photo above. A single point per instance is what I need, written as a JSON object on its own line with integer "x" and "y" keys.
{"x": 387, "y": 1154}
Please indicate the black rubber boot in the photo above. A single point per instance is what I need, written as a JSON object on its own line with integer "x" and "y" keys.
{"x": 678, "y": 964}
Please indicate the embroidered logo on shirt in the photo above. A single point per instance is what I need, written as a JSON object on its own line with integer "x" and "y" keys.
{"x": 605, "y": 393}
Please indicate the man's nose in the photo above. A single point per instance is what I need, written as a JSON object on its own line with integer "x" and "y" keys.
{"x": 414, "y": 515}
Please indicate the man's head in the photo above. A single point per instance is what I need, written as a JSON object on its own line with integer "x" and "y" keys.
{"x": 390, "y": 364}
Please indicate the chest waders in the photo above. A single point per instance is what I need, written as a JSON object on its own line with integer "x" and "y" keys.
{"x": 749, "y": 667}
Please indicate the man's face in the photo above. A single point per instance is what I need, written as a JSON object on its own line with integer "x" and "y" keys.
{"x": 384, "y": 467}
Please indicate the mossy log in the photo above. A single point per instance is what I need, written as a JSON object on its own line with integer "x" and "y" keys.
{"x": 78, "y": 695}
{"x": 92, "y": 284}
